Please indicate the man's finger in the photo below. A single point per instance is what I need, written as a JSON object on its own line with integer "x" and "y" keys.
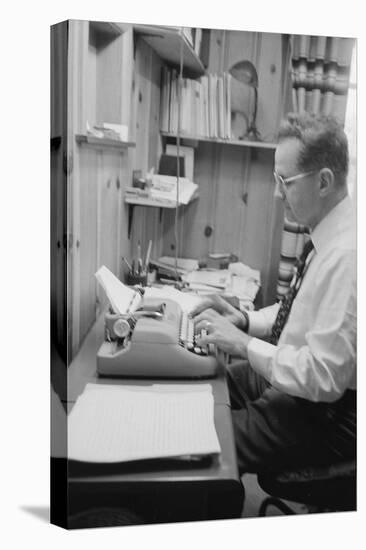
{"x": 202, "y": 324}
{"x": 207, "y": 315}
{"x": 199, "y": 308}
{"x": 205, "y": 340}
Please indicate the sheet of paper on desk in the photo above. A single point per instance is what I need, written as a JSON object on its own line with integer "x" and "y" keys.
{"x": 119, "y": 424}
{"x": 121, "y": 297}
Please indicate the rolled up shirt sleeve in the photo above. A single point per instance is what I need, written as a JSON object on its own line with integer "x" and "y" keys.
{"x": 260, "y": 322}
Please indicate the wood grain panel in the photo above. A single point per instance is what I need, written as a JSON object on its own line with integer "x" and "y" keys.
{"x": 140, "y": 156}
{"x": 87, "y": 237}
{"x": 200, "y": 212}
{"x": 270, "y": 88}
{"x": 109, "y": 81}
{"x": 229, "y": 207}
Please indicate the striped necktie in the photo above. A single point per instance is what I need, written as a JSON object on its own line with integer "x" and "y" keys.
{"x": 287, "y": 301}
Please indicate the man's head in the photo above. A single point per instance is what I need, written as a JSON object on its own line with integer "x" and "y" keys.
{"x": 315, "y": 149}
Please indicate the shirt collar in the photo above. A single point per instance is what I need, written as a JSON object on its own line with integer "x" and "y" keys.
{"x": 334, "y": 223}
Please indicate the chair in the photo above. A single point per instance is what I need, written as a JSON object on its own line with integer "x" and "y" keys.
{"x": 321, "y": 489}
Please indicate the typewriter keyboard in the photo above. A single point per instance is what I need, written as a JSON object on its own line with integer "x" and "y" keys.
{"x": 187, "y": 338}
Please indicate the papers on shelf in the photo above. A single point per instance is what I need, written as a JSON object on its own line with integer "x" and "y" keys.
{"x": 163, "y": 191}
{"x": 122, "y": 298}
{"x": 108, "y": 130}
{"x": 117, "y": 423}
{"x": 165, "y": 187}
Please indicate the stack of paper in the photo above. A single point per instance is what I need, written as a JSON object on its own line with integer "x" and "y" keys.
{"x": 165, "y": 188}
{"x": 111, "y": 424}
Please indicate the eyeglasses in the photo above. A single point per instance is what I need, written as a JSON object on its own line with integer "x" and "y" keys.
{"x": 283, "y": 182}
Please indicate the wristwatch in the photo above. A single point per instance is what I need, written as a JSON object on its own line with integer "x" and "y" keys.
{"x": 244, "y": 312}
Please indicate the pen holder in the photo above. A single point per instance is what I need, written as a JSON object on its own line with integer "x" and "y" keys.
{"x": 136, "y": 279}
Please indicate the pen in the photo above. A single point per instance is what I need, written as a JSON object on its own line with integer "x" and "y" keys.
{"x": 147, "y": 259}
{"x": 126, "y": 262}
{"x": 139, "y": 260}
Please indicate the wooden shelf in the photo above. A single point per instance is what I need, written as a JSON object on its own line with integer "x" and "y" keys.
{"x": 241, "y": 143}
{"x": 167, "y": 42}
{"x": 103, "y": 143}
{"x": 104, "y": 27}
{"x": 142, "y": 201}
{"x": 158, "y": 203}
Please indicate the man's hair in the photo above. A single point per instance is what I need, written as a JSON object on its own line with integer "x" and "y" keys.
{"x": 324, "y": 143}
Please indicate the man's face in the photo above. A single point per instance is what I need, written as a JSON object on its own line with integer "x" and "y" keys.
{"x": 300, "y": 197}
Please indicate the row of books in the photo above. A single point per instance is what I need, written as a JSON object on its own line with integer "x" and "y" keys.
{"x": 205, "y": 105}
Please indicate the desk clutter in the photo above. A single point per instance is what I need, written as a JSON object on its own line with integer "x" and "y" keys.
{"x": 215, "y": 273}
{"x": 114, "y": 423}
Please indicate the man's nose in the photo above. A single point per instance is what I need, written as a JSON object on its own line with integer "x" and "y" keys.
{"x": 278, "y": 192}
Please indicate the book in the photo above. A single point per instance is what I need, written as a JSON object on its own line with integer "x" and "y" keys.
{"x": 116, "y": 423}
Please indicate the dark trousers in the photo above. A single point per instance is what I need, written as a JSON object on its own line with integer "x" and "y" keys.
{"x": 275, "y": 431}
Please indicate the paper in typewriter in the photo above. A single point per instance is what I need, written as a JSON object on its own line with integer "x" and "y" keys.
{"x": 119, "y": 424}
{"x": 121, "y": 297}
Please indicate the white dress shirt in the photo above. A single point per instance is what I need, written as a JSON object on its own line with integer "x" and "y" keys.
{"x": 316, "y": 354}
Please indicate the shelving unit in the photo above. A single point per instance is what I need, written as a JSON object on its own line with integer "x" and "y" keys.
{"x": 167, "y": 43}
{"x": 108, "y": 28}
{"x": 191, "y": 140}
{"x": 103, "y": 143}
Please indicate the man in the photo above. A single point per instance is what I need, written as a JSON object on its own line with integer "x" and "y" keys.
{"x": 293, "y": 398}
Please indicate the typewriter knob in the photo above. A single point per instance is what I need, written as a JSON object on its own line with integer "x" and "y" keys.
{"x": 122, "y": 328}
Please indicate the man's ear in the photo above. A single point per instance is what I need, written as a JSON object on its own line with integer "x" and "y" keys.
{"x": 326, "y": 181}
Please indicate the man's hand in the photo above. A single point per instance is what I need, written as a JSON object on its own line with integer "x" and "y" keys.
{"x": 221, "y": 306}
{"x": 222, "y": 333}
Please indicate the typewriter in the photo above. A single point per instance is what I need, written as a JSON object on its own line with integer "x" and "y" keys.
{"x": 155, "y": 341}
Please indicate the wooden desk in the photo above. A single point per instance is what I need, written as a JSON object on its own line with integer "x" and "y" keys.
{"x": 158, "y": 492}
